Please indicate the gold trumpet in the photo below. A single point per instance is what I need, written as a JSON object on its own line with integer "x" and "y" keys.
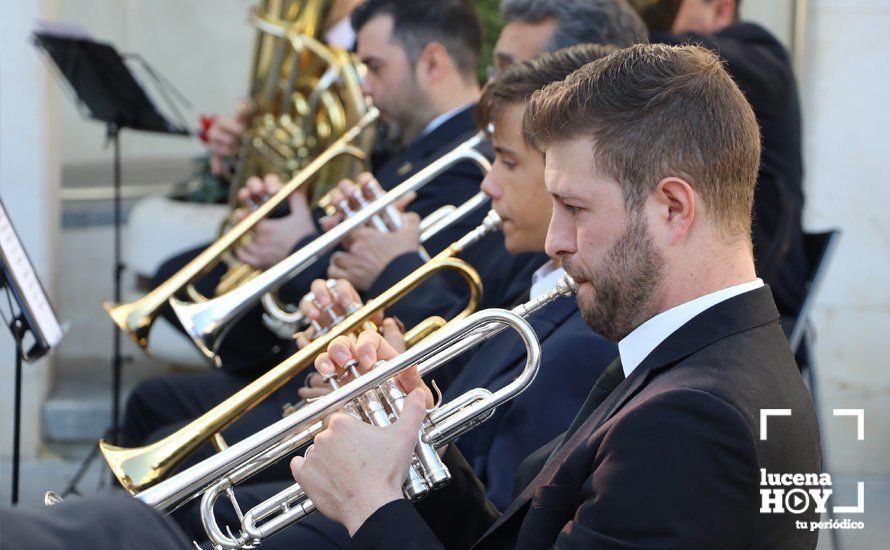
{"x": 137, "y": 317}
{"x": 142, "y": 467}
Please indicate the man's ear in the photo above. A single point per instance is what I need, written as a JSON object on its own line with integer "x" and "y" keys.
{"x": 725, "y": 13}
{"x": 675, "y": 206}
{"x": 433, "y": 63}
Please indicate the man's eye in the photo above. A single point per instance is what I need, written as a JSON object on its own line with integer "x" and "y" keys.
{"x": 572, "y": 209}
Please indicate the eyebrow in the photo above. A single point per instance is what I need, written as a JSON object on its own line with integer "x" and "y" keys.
{"x": 367, "y": 60}
{"x": 504, "y": 150}
{"x": 563, "y": 197}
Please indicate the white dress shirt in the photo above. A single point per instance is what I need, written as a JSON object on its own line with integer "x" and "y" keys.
{"x": 637, "y": 345}
{"x": 544, "y": 279}
{"x": 440, "y": 120}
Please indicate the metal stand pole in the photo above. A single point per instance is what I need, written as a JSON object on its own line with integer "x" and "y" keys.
{"x": 116, "y": 360}
{"x": 17, "y": 333}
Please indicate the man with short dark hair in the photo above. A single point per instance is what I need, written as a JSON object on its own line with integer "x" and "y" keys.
{"x": 536, "y": 26}
{"x": 651, "y": 158}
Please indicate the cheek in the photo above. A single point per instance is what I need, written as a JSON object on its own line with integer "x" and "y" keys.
{"x": 593, "y": 242}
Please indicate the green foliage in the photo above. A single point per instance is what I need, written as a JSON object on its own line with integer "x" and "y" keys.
{"x": 491, "y": 25}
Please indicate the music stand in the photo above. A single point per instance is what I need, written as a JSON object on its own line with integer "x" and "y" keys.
{"x": 106, "y": 90}
{"x": 30, "y": 314}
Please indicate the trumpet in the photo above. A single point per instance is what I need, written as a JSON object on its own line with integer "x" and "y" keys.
{"x": 141, "y": 467}
{"x": 208, "y": 321}
{"x": 218, "y": 474}
{"x": 138, "y": 316}
{"x": 287, "y": 322}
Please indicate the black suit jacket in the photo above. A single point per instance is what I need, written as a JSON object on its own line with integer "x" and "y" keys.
{"x": 760, "y": 66}
{"x": 670, "y": 459}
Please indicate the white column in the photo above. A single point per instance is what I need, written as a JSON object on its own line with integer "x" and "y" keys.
{"x": 846, "y": 117}
{"x": 29, "y": 181}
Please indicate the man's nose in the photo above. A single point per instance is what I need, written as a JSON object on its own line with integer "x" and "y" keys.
{"x": 367, "y": 89}
{"x": 490, "y": 186}
{"x": 560, "y": 239}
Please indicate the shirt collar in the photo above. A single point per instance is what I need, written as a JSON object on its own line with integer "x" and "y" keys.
{"x": 637, "y": 345}
{"x": 544, "y": 279}
{"x": 441, "y": 119}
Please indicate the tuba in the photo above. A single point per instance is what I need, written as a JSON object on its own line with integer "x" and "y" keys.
{"x": 303, "y": 93}
{"x": 310, "y": 119}
{"x": 142, "y": 467}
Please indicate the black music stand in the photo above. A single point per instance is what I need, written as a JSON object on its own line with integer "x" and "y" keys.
{"x": 31, "y": 315}
{"x": 106, "y": 90}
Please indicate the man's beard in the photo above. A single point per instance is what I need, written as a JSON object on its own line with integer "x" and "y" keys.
{"x": 625, "y": 284}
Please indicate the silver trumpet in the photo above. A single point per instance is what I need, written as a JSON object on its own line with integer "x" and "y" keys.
{"x": 208, "y": 321}
{"x": 287, "y": 322}
{"x": 371, "y": 396}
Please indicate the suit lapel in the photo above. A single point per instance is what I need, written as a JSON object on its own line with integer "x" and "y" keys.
{"x": 427, "y": 148}
{"x": 740, "y": 313}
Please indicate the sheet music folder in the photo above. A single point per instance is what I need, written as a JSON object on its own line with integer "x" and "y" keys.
{"x": 19, "y": 277}
{"x": 103, "y": 83}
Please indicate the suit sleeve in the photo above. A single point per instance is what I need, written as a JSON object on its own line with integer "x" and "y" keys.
{"x": 678, "y": 471}
{"x": 435, "y": 521}
{"x": 434, "y": 297}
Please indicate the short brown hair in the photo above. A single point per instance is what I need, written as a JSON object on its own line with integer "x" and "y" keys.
{"x": 654, "y": 111}
{"x": 519, "y": 81}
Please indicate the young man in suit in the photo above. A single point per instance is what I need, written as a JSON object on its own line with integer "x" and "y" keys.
{"x": 651, "y": 161}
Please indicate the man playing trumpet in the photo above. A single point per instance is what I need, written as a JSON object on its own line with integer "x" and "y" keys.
{"x": 651, "y": 158}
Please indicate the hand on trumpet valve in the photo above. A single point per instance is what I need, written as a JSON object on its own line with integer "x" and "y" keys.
{"x": 370, "y": 251}
{"x": 350, "y": 196}
{"x": 329, "y": 302}
{"x": 354, "y": 467}
{"x": 369, "y": 348}
{"x": 224, "y": 138}
{"x": 273, "y": 239}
